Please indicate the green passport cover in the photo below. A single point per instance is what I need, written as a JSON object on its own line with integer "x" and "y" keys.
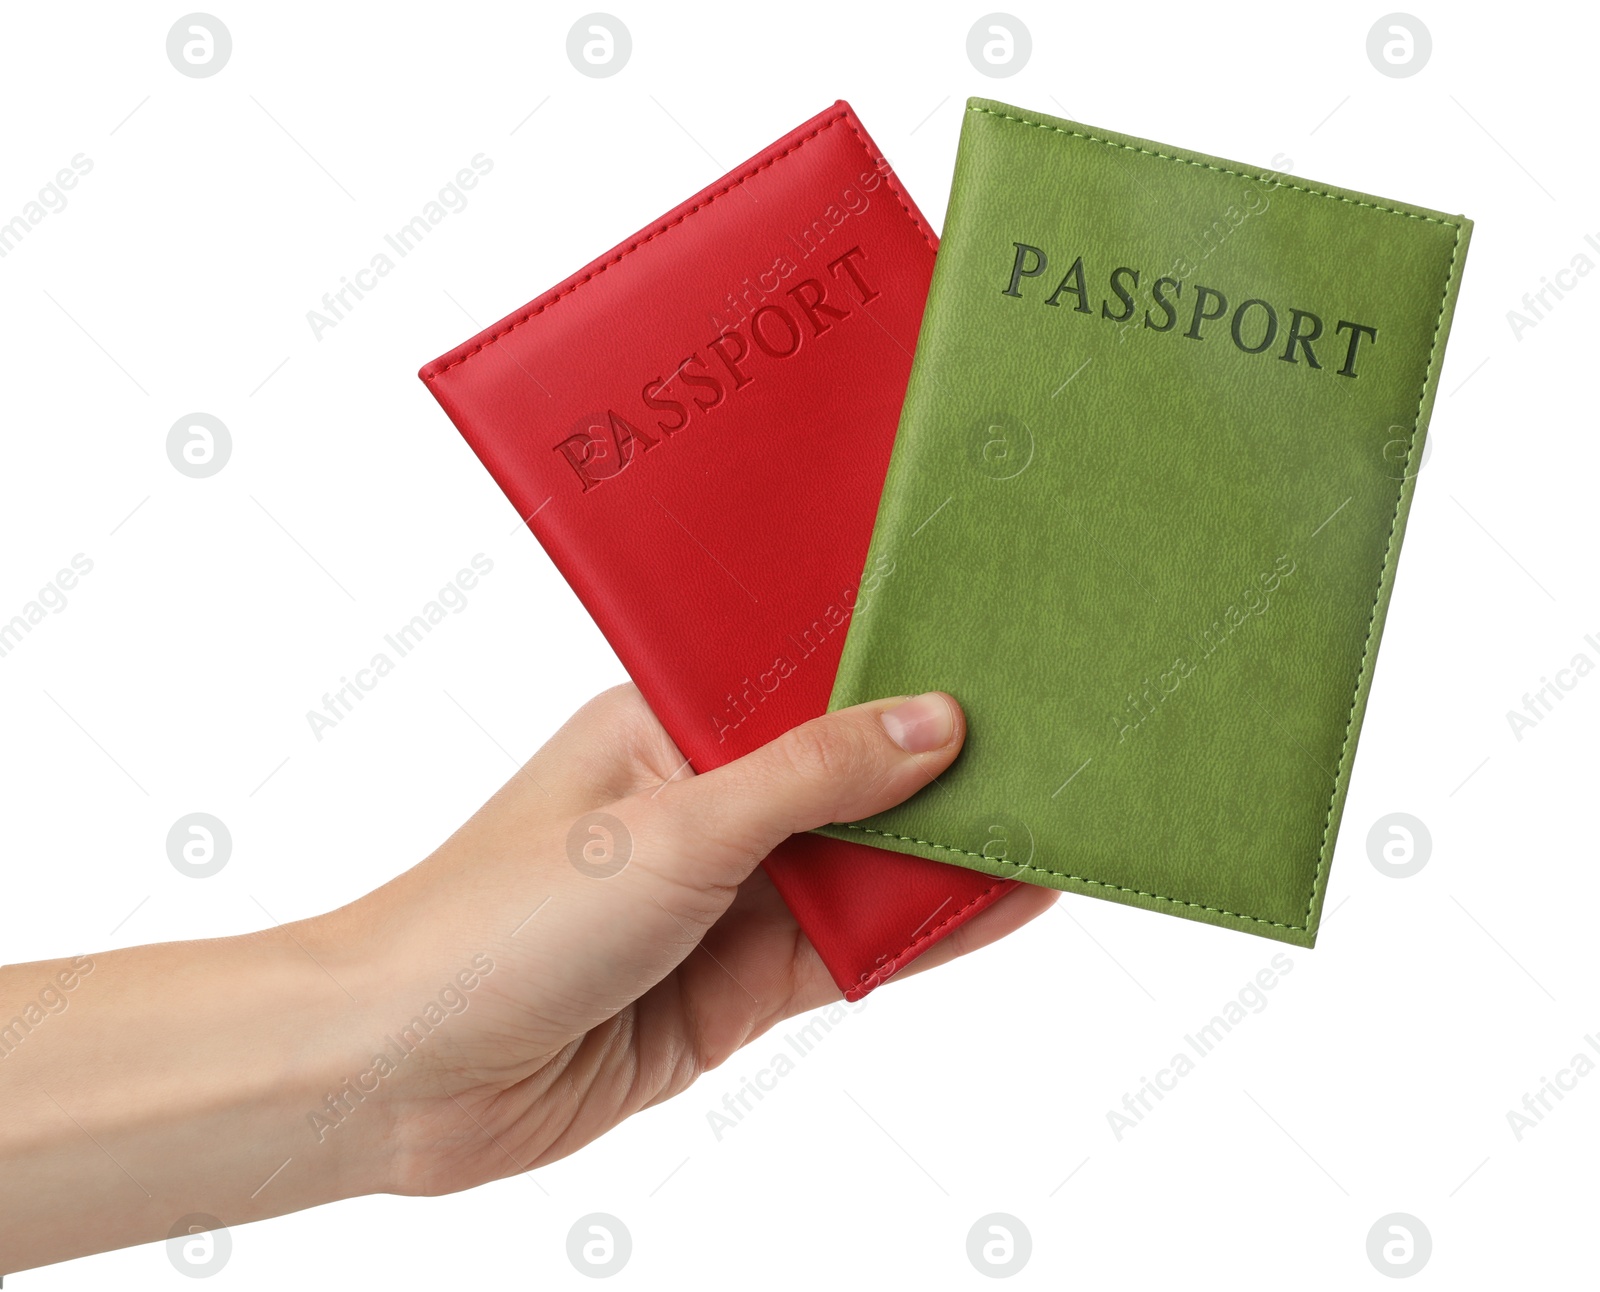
{"x": 1143, "y": 514}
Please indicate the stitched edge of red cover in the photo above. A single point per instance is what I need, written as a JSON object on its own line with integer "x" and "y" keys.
{"x": 773, "y": 153}
{"x": 922, "y": 941}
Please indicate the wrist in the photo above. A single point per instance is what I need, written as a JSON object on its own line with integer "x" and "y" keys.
{"x": 392, "y": 1059}
{"x": 345, "y": 1113}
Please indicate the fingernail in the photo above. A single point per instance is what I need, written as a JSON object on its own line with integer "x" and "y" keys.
{"x": 921, "y": 724}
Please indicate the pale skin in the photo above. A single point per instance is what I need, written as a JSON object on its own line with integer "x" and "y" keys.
{"x": 195, "y": 1077}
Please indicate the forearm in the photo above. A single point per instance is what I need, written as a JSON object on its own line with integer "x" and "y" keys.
{"x": 172, "y": 1080}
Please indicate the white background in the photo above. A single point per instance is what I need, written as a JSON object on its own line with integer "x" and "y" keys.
{"x": 178, "y": 278}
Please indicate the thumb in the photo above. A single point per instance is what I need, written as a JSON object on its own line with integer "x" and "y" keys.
{"x": 839, "y": 767}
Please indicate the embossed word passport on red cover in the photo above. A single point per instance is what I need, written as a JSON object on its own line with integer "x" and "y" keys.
{"x": 696, "y": 427}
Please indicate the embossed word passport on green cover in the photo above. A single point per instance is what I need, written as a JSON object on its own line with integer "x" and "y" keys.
{"x": 1143, "y": 513}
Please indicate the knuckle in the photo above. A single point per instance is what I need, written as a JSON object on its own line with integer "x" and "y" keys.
{"x": 817, "y": 751}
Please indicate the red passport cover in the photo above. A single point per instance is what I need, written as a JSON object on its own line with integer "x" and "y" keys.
{"x": 696, "y": 427}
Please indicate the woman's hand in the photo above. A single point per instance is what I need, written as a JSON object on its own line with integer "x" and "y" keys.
{"x": 590, "y": 942}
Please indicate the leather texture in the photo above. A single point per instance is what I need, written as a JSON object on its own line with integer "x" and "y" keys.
{"x": 1150, "y": 546}
{"x": 696, "y": 427}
